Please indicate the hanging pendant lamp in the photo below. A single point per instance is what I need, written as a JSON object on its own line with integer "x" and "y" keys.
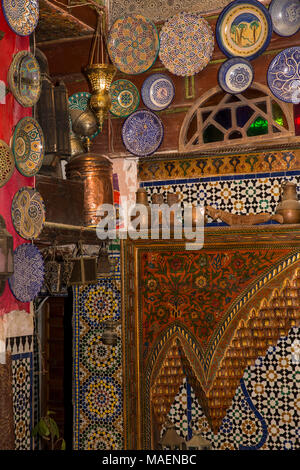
{"x": 100, "y": 75}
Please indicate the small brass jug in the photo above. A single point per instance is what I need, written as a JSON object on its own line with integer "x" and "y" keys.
{"x": 289, "y": 206}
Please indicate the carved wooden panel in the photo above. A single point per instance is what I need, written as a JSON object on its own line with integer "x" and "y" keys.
{"x": 179, "y": 322}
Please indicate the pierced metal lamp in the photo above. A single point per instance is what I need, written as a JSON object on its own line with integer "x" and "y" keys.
{"x": 100, "y": 75}
{"x": 6, "y": 255}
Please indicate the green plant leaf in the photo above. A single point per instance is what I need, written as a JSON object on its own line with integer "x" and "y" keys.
{"x": 43, "y": 428}
{"x": 53, "y": 427}
{"x": 63, "y": 445}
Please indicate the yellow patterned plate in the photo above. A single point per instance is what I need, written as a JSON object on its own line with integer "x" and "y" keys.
{"x": 28, "y": 213}
{"x": 7, "y": 163}
{"x": 133, "y": 44}
{"x": 244, "y": 29}
{"x": 28, "y": 146}
{"x": 21, "y": 15}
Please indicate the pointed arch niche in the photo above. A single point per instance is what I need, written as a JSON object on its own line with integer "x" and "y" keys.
{"x": 220, "y": 119}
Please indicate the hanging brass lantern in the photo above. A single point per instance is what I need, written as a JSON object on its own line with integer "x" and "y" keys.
{"x": 84, "y": 268}
{"x": 6, "y": 255}
{"x": 58, "y": 270}
{"x": 100, "y": 75}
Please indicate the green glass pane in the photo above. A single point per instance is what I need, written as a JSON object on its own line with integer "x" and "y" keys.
{"x": 278, "y": 115}
{"x": 258, "y": 127}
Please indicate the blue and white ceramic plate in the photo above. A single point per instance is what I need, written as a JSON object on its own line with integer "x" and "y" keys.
{"x": 157, "y": 91}
{"x": 284, "y": 75}
{"x": 244, "y": 29}
{"x": 235, "y": 75}
{"x": 142, "y": 132}
{"x": 285, "y": 16}
{"x": 186, "y": 44}
{"x": 28, "y": 277}
{"x": 21, "y": 15}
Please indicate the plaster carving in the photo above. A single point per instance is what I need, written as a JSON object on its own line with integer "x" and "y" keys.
{"x": 161, "y": 10}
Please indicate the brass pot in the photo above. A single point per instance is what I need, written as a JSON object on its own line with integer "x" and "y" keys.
{"x": 289, "y": 206}
{"x": 77, "y": 147}
{"x": 85, "y": 124}
{"x": 96, "y": 173}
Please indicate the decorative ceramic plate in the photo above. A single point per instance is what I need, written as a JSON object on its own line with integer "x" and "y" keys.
{"x": 157, "y": 91}
{"x": 244, "y": 29}
{"x": 24, "y": 79}
{"x": 133, "y": 44}
{"x": 285, "y": 16}
{"x": 28, "y": 146}
{"x": 284, "y": 75}
{"x": 125, "y": 98}
{"x": 28, "y": 213}
{"x": 7, "y": 163}
{"x": 235, "y": 75}
{"x": 28, "y": 277}
{"x": 186, "y": 44}
{"x": 80, "y": 101}
{"x": 21, "y": 15}
{"x": 142, "y": 132}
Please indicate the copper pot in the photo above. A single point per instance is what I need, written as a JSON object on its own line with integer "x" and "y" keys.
{"x": 289, "y": 206}
{"x": 96, "y": 173}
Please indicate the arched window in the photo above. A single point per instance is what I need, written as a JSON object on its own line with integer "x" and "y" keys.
{"x": 219, "y": 119}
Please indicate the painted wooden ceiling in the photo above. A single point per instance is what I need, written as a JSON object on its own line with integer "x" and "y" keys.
{"x": 58, "y": 22}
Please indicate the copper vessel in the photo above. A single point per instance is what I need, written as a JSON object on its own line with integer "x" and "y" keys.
{"x": 96, "y": 173}
{"x": 142, "y": 198}
{"x": 289, "y": 206}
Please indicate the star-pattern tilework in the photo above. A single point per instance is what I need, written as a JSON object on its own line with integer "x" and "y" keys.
{"x": 98, "y": 395}
{"x": 265, "y": 411}
{"x": 22, "y": 374}
{"x": 240, "y": 195}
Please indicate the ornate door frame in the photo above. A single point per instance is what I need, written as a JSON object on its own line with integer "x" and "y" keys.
{"x": 138, "y": 429}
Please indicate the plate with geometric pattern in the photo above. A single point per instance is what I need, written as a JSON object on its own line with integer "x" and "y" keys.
{"x": 28, "y": 146}
{"x": 21, "y": 15}
{"x": 142, "y": 132}
{"x": 28, "y": 213}
{"x": 133, "y": 44}
{"x": 186, "y": 44}
{"x": 28, "y": 277}
{"x": 125, "y": 98}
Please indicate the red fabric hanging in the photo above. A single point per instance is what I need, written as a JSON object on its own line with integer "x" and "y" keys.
{"x": 10, "y": 114}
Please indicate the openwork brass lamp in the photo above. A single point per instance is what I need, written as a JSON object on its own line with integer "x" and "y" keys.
{"x": 6, "y": 255}
{"x": 100, "y": 74}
